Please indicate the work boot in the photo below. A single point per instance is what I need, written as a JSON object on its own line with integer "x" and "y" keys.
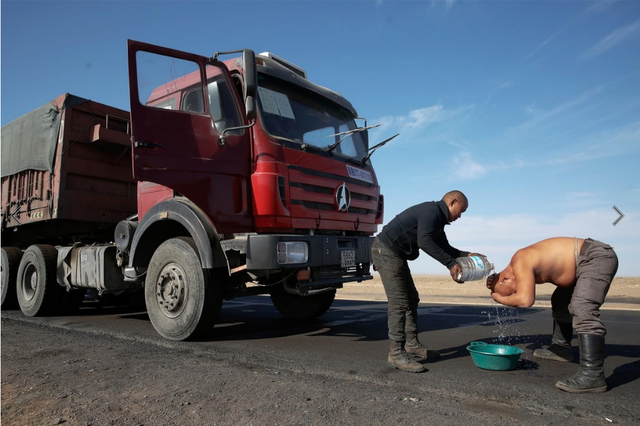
{"x": 590, "y": 376}
{"x": 414, "y": 347}
{"x": 560, "y": 349}
{"x": 398, "y": 358}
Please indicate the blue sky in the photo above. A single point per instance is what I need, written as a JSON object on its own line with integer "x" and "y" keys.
{"x": 532, "y": 108}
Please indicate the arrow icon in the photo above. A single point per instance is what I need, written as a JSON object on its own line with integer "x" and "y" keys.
{"x": 618, "y": 219}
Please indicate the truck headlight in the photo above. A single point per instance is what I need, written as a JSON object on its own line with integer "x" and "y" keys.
{"x": 292, "y": 252}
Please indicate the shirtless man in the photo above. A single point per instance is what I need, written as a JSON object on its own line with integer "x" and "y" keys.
{"x": 582, "y": 270}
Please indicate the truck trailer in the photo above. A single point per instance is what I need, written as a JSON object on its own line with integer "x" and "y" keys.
{"x": 226, "y": 179}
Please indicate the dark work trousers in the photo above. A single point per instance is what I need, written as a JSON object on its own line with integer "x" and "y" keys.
{"x": 400, "y": 289}
{"x": 597, "y": 264}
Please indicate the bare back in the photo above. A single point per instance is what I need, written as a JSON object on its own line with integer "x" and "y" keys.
{"x": 553, "y": 260}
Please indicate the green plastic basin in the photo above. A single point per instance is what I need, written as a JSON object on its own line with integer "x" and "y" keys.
{"x": 494, "y": 357}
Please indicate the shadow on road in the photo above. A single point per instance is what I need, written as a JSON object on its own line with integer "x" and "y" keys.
{"x": 625, "y": 373}
{"x": 256, "y": 318}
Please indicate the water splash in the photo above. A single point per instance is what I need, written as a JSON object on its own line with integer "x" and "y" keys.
{"x": 509, "y": 327}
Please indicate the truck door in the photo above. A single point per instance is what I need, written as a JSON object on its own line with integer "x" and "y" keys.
{"x": 180, "y": 105}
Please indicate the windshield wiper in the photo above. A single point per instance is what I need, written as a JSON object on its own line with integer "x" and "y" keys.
{"x": 373, "y": 149}
{"x": 357, "y": 129}
{"x": 347, "y": 134}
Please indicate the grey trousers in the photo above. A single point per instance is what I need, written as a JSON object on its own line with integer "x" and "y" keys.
{"x": 402, "y": 317}
{"x": 596, "y": 267}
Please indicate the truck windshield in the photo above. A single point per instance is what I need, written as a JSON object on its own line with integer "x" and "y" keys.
{"x": 299, "y": 115}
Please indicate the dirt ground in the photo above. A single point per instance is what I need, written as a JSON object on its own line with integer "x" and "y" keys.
{"x": 623, "y": 294}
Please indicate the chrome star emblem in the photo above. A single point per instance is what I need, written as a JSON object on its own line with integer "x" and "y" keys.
{"x": 343, "y": 198}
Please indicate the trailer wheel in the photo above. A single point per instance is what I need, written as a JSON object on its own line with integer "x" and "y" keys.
{"x": 37, "y": 289}
{"x": 10, "y": 262}
{"x": 183, "y": 301}
{"x": 296, "y": 307}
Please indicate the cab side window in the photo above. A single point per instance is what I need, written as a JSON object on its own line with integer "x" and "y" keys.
{"x": 222, "y": 105}
{"x": 193, "y": 102}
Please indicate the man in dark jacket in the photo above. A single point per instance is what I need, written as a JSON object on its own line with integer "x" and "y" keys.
{"x": 420, "y": 227}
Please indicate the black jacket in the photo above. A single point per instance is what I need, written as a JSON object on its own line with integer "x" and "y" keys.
{"x": 421, "y": 227}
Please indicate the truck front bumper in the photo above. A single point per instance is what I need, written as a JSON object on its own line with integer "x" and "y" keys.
{"x": 331, "y": 260}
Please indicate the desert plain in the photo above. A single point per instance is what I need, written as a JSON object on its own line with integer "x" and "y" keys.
{"x": 624, "y": 292}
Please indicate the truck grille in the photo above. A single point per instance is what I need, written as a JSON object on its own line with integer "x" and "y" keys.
{"x": 329, "y": 206}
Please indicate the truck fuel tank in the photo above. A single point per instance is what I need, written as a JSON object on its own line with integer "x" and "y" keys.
{"x": 91, "y": 267}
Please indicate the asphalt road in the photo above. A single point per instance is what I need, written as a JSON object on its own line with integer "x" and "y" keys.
{"x": 346, "y": 350}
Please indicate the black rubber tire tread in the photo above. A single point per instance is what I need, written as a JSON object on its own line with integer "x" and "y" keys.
{"x": 48, "y": 295}
{"x": 10, "y": 263}
{"x": 203, "y": 302}
{"x": 302, "y": 308}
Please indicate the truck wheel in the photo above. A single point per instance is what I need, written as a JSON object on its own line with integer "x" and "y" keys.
{"x": 10, "y": 262}
{"x": 296, "y": 307}
{"x": 37, "y": 289}
{"x": 183, "y": 301}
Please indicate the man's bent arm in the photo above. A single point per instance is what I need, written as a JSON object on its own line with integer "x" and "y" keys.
{"x": 450, "y": 250}
{"x": 516, "y": 300}
{"x": 525, "y": 288}
{"x": 429, "y": 245}
{"x": 503, "y": 290}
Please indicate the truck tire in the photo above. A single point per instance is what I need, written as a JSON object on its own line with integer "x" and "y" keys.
{"x": 37, "y": 288}
{"x": 10, "y": 262}
{"x": 183, "y": 301}
{"x": 296, "y": 307}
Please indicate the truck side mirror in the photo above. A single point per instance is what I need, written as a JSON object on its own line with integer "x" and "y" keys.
{"x": 250, "y": 72}
{"x": 250, "y": 107}
{"x": 250, "y": 82}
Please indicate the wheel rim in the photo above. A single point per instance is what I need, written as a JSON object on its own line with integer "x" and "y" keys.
{"x": 29, "y": 282}
{"x": 171, "y": 291}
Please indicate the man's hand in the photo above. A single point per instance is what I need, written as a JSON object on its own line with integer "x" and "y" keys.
{"x": 492, "y": 280}
{"x": 456, "y": 273}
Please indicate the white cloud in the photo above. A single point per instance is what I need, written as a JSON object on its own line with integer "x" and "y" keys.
{"x": 538, "y": 48}
{"x": 613, "y": 39}
{"x": 598, "y": 7}
{"x": 414, "y": 120}
{"x": 613, "y": 142}
{"x": 624, "y": 140}
{"x": 582, "y": 195}
{"x": 506, "y": 85}
{"x": 464, "y": 167}
{"x": 581, "y": 200}
{"x": 448, "y": 3}
{"x": 541, "y": 115}
{"x": 422, "y": 117}
{"x": 532, "y": 110}
{"x": 419, "y": 119}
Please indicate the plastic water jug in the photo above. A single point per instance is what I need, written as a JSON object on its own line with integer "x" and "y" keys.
{"x": 474, "y": 268}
